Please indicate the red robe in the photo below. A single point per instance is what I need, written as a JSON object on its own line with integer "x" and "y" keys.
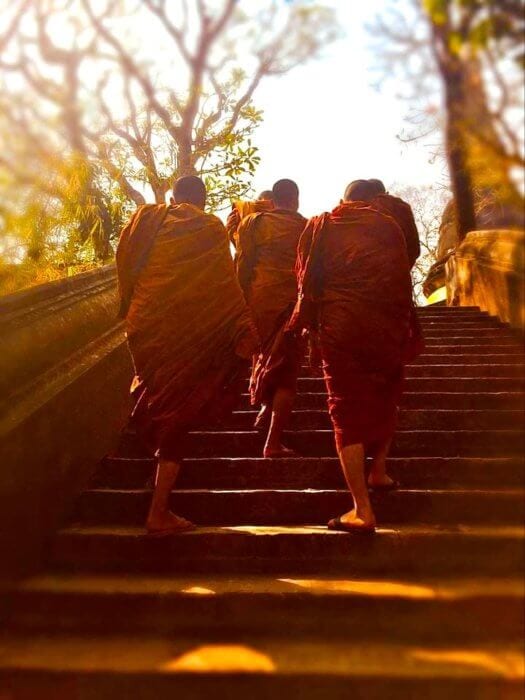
{"x": 355, "y": 288}
{"x": 242, "y": 209}
{"x": 402, "y": 213}
{"x": 266, "y": 253}
{"x": 187, "y": 322}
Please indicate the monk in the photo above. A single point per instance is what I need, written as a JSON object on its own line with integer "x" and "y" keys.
{"x": 355, "y": 295}
{"x": 264, "y": 202}
{"x": 266, "y": 251}
{"x": 188, "y": 327}
{"x": 402, "y": 212}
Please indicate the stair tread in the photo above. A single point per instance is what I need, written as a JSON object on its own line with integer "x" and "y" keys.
{"x": 300, "y": 531}
{"x": 190, "y": 603}
{"x": 518, "y": 493}
{"x": 171, "y": 656}
{"x": 420, "y": 588}
{"x": 314, "y": 472}
{"x": 328, "y": 430}
{"x": 332, "y": 460}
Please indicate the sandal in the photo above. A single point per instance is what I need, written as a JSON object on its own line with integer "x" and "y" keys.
{"x": 340, "y": 526}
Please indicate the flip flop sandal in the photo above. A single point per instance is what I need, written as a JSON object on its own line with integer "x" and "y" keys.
{"x": 337, "y": 524}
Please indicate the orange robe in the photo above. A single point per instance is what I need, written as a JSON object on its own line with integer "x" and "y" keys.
{"x": 188, "y": 325}
{"x": 242, "y": 209}
{"x": 266, "y": 253}
{"x": 401, "y": 212}
{"x": 355, "y": 289}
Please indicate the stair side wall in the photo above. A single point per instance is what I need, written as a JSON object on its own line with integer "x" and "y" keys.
{"x": 488, "y": 270}
{"x": 65, "y": 372}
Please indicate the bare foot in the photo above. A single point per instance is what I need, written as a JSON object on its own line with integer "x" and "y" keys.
{"x": 168, "y": 524}
{"x": 278, "y": 451}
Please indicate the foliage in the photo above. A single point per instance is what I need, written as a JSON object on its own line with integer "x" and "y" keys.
{"x": 468, "y": 53}
{"x": 481, "y": 24}
{"x": 104, "y": 104}
{"x": 428, "y": 203}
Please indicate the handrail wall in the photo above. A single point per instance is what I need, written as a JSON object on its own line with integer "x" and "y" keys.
{"x": 64, "y": 377}
{"x": 488, "y": 270}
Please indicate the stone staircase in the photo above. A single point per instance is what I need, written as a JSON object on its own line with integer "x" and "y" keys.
{"x": 262, "y": 599}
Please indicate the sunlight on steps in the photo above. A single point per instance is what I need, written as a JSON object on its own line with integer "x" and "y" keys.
{"x": 262, "y": 598}
{"x": 369, "y": 588}
{"x": 507, "y": 664}
{"x": 221, "y": 658}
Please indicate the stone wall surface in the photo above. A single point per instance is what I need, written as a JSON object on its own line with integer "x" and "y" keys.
{"x": 64, "y": 379}
{"x": 488, "y": 270}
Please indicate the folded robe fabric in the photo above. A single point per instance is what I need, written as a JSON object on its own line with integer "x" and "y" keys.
{"x": 402, "y": 213}
{"x": 266, "y": 254}
{"x": 134, "y": 247}
{"x": 188, "y": 325}
{"x": 355, "y": 289}
{"x": 242, "y": 209}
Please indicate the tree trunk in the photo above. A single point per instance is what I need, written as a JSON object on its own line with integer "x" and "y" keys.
{"x": 457, "y": 148}
{"x": 185, "y": 160}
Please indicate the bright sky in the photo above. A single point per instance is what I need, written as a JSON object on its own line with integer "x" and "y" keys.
{"x": 325, "y": 124}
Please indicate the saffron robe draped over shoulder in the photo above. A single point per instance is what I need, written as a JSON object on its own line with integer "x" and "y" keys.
{"x": 402, "y": 213}
{"x": 242, "y": 209}
{"x": 355, "y": 290}
{"x": 188, "y": 325}
{"x": 266, "y": 253}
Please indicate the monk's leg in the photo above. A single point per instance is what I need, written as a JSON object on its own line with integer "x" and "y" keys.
{"x": 378, "y": 475}
{"x": 282, "y": 406}
{"x": 352, "y": 458}
{"x": 263, "y": 417}
{"x": 160, "y": 518}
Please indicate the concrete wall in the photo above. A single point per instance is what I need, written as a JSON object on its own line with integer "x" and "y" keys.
{"x": 64, "y": 379}
{"x": 488, "y": 270}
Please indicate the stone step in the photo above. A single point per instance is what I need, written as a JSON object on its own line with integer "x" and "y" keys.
{"x": 296, "y": 507}
{"x": 481, "y": 370}
{"x": 438, "y": 310}
{"x": 494, "y": 366}
{"x": 445, "y": 347}
{"x": 415, "y": 419}
{"x": 109, "y": 667}
{"x": 450, "y": 400}
{"x": 315, "y": 473}
{"x": 320, "y": 443}
{"x": 471, "y": 332}
{"x": 454, "y": 611}
{"x": 431, "y": 323}
{"x": 447, "y": 383}
{"x": 415, "y": 549}
{"x": 436, "y": 360}
{"x": 516, "y": 359}
{"x": 452, "y": 340}
{"x": 466, "y": 371}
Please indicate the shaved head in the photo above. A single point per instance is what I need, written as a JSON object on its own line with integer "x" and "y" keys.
{"x": 286, "y": 195}
{"x": 360, "y": 191}
{"x": 378, "y": 184}
{"x": 191, "y": 190}
{"x": 266, "y": 195}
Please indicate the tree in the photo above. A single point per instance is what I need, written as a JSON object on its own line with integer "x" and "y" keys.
{"x": 474, "y": 47}
{"x": 104, "y": 104}
{"x": 428, "y": 203}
